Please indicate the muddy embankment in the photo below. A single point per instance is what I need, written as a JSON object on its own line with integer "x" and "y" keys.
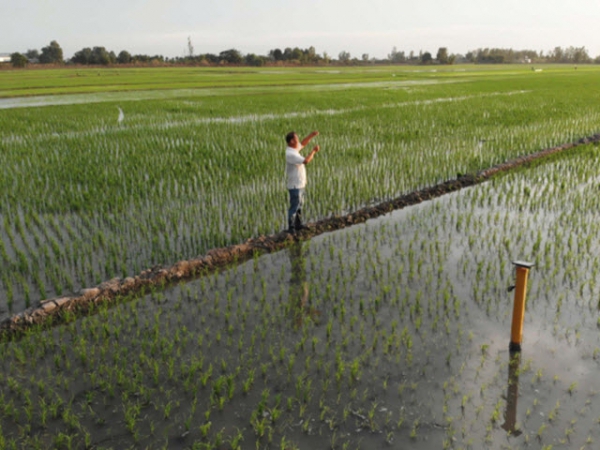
{"x": 58, "y": 309}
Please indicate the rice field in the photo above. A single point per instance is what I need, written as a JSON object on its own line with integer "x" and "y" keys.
{"x": 98, "y": 190}
{"x": 390, "y": 334}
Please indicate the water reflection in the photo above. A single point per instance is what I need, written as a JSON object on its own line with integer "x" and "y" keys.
{"x": 300, "y": 307}
{"x": 512, "y": 394}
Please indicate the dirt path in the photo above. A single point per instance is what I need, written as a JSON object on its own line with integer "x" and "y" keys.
{"x": 62, "y": 308}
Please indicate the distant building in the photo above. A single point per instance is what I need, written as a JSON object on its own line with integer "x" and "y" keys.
{"x": 4, "y": 57}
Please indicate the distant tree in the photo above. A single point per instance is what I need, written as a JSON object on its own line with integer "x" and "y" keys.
{"x": 254, "y": 60}
{"x": 100, "y": 56}
{"x": 396, "y": 57}
{"x": 52, "y": 54}
{"x": 157, "y": 59}
{"x": 426, "y": 58}
{"x": 147, "y": 59}
{"x": 365, "y": 57}
{"x": 297, "y": 54}
{"x": 287, "y": 54}
{"x": 308, "y": 55}
{"x": 276, "y": 54}
{"x": 579, "y": 55}
{"x": 83, "y": 56}
{"x": 96, "y": 56}
{"x": 503, "y": 55}
{"x": 141, "y": 58}
{"x": 124, "y": 57}
{"x": 18, "y": 60}
{"x": 32, "y": 55}
{"x": 344, "y": 56}
{"x": 211, "y": 58}
{"x": 492, "y": 56}
{"x": 528, "y": 56}
{"x": 557, "y": 55}
{"x": 442, "y": 55}
{"x": 231, "y": 56}
{"x": 290, "y": 54}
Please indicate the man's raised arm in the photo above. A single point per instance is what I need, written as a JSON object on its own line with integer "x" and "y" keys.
{"x": 307, "y": 139}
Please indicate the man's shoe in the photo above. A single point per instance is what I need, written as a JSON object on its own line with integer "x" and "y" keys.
{"x": 300, "y": 227}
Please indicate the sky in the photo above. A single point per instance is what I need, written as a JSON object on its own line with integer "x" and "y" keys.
{"x": 360, "y": 27}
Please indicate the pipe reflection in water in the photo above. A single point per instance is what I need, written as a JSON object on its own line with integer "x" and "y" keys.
{"x": 512, "y": 394}
{"x": 300, "y": 306}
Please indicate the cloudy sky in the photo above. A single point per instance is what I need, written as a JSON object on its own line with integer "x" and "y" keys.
{"x": 357, "y": 26}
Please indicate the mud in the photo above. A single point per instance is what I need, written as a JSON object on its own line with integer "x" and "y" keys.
{"x": 62, "y": 308}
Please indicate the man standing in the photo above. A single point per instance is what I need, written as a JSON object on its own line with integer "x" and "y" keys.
{"x": 296, "y": 176}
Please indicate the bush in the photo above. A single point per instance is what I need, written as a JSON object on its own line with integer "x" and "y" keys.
{"x": 18, "y": 60}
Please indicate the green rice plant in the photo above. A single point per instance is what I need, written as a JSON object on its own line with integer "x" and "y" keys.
{"x": 235, "y": 441}
{"x": 554, "y": 412}
{"x": 247, "y": 384}
{"x": 167, "y": 410}
{"x": 413, "y": 430}
{"x": 205, "y": 429}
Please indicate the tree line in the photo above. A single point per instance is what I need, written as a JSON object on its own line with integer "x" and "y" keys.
{"x": 100, "y": 56}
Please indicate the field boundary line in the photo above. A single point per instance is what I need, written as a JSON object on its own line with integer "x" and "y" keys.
{"x": 220, "y": 258}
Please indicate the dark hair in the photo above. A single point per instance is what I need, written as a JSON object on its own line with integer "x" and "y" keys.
{"x": 290, "y": 136}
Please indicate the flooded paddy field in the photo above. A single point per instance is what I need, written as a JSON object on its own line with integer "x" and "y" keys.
{"x": 390, "y": 334}
{"x": 108, "y": 184}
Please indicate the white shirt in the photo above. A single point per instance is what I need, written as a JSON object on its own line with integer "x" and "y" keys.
{"x": 295, "y": 168}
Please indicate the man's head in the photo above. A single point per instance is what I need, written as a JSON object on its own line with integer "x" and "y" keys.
{"x": 292, "y": 139}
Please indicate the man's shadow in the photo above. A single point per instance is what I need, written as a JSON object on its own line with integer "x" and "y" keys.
{"x": 300, "y": 307}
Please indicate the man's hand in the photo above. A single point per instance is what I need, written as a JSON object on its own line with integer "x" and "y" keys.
{"x": 311, "y": 154}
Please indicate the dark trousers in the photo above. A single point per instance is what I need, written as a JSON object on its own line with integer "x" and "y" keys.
{"x": 295, "y": 211}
